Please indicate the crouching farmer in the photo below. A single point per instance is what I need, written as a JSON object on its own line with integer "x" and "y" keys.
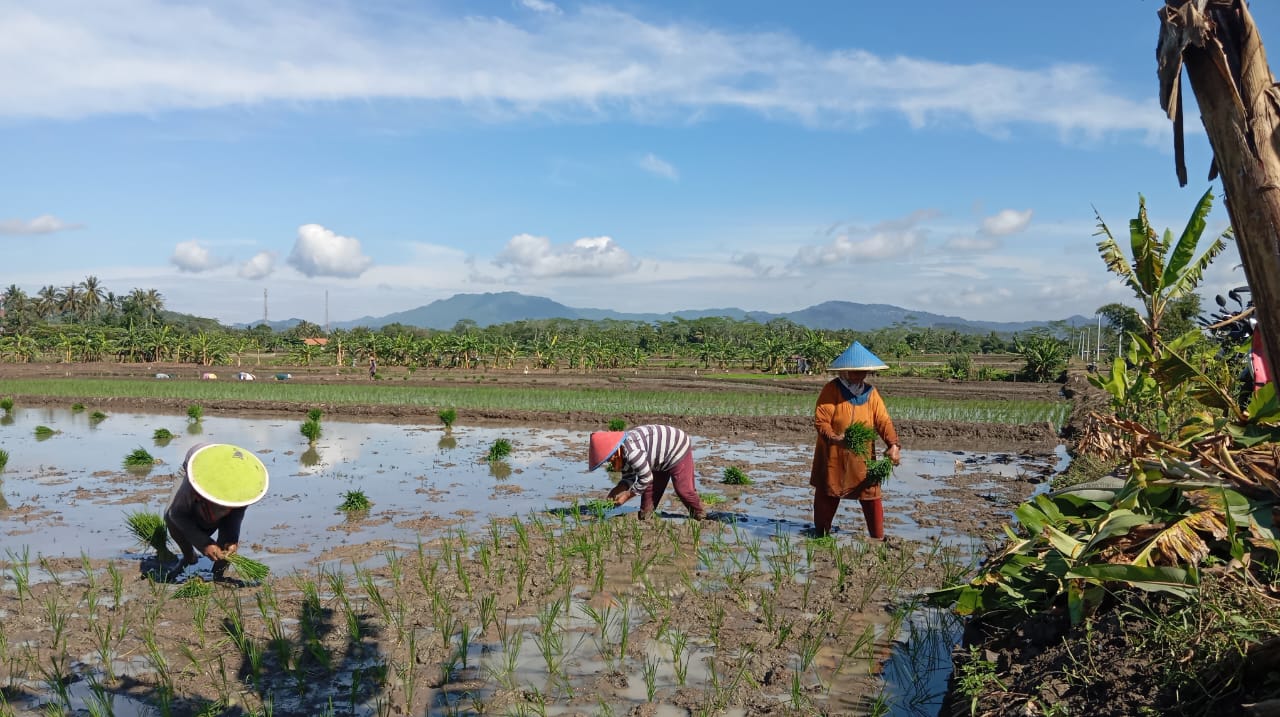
{"x": 216, "y": 483}
{"x": 649, "y": 458}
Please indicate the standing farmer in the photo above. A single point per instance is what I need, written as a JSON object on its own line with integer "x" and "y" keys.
{"x": 838, "y": 472}
{"x": 649, "y": 457}
{"x": 216, "y": 483}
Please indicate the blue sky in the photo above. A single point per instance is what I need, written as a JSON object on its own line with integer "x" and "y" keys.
{"x": 632, "y": 156}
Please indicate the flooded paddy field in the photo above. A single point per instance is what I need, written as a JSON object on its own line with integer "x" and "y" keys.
{"x": 473, "y": 586}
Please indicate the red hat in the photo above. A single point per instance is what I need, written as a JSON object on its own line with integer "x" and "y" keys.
{"x": 603, "y": 445}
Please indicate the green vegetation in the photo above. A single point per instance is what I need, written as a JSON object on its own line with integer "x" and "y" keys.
{"x": 4, "y": 459}
{"x": 710, "y": 499}
{"x": 447, "y": 417}
{"x": 617, "y": 424}
{"x": 859, "y": 438}
{"x": 149, "y": 529}
{"x": 314, "y": 414}
{"x": 193, "y": 588}
{"x": 77, "y": 407}
{"x": 354, "y": 501}
{"x": 195, "y": 412}
{"x": 97, "y": 416}
{"x": 248, "y": 568}
{"x": 162, "y": 435}
{"x": 44, "y": 432}
{"x": 139, "y": 458}
{"x": 6, "y": 404}
{"x": 311, "y": 430}
{"x": 500, "y": 449}
{"x": 605, "y": 401}
{"x": 879, "y": 470}
{"x": 734, "y": 475}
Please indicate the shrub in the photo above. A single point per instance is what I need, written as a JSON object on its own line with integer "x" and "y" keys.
{"x": 310, "y": 429}
{"x": 959, "y": 366}
{"x": 195, "y": 412}
{"x": 734, "y": 475}
{"x": 354, "y": 501}
{"x": 447, "y": 417}
{"x": 617, "y": 424}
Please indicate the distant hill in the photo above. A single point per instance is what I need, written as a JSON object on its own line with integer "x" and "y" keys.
{"x": 508, "y": 306}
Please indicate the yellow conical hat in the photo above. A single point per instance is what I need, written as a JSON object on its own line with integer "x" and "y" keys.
{"x": 227, "y": 475}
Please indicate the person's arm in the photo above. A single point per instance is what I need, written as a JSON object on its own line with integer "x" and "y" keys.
{"x": 621, "y": 493}
{"x": 229, "y": 529}
{"x": 637, "y": 470}
{"x": 884, "y": 427}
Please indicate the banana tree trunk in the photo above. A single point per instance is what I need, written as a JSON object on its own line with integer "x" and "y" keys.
{"x": 1226, "y": 64}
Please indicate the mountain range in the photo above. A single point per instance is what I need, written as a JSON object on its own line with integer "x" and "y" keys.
{"x": 508, "y": 306}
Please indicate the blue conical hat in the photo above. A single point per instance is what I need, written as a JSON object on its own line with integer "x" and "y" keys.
{"x": 857, "y": 358}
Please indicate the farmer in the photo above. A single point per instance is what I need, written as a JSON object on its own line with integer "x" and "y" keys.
{"x": 649, "y": 457}
{"x": 216, "y": 483}
{"x": 373, "y": 368}
{"x": 837, "y": 472}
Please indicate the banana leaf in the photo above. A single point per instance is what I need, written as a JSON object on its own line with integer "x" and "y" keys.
{"x": 1177, "y": 581}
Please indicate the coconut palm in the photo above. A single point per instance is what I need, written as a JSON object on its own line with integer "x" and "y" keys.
{"x": 47, "y": 302}
{"x": 92, "y": 296}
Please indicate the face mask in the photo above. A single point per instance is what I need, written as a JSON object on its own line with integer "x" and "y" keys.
{"x": 856, "y": 388}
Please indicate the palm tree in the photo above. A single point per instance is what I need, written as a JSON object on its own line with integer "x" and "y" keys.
{"x": 1161, "y": 272}
{"x": 47, "y": 302}
{"x": 71, "y": 301}
{"x": 92, "y": 297}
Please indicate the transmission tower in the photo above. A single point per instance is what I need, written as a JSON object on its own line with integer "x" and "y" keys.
{"x": 264, "y": 306}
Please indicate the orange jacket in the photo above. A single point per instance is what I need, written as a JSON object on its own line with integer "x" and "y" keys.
{"x": 836, "y": 470}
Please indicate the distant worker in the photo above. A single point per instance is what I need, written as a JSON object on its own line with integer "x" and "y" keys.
{"x": 215, "y": 485}
{"x": 649, "y": 458}
{"x": 373, "y": 368}
{"x": 837, "y": 472}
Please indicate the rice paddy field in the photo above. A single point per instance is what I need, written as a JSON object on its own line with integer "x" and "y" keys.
{"x": 472, "y": 581}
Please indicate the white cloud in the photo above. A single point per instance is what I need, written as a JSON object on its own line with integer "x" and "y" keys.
{"x": 321, "y": 252}
{"x": 591, "y": 256}
{"x": 655, "y": 165}
{"x": 259, "y": 267}
{"x": 971, "y": 244}
{"x": 193, "y": 257}
{"x": 891, "y": 239}
{"x": 43, "y": 224}
{"x": 1006, "y": 222}
{"x": 753, "y": 262}
{"x": 147, "y": 56}
{"x": 541, "y": 6}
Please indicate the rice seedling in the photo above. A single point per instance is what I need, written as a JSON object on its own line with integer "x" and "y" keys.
{"x": 355, "y": 501}
{"x": 43, "y": 432}
{"x": 710, "y": 499}
{"x": 858, "y": 438}
{"x": 500, "y": 449}
{"x": 97, "y": 417}
{"x": 248, "y": 568}
{"x": 6, "y": 404}
{"x": 77, "y": 407}
{"x": 195, "y": 587}
{"x": 162, "y": 436}
{"x": 4, "y": 458}
{"x": 734, "y": 475}
{"x": 139, "y": 458}
{"x": 149, "y": 529}
{"x": 879, "y": 470}
{"x": 448, "y": 416}
{"x": 314, "y": 414}
{"x": 617, "y": 424}
{"x": 310, "y": 430}
{"x": 195, "y": 412}
{"x": 650, "y": 671}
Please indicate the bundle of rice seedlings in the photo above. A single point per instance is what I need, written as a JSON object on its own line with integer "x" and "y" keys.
{"x": 500, "y": 449}
{"x": 314, "y": 414}
{"x": 879, "y": 470}
{"x": 161, "y": 435}
{"x": 149, "y": 528}
{"x": 248, "y": 568}
{"x": 195, "y": 587}
{"x": 139, "y": 458}
{"x": 859, "y": 437}
{"x": 734, "y": 475}
{"x": 354, "y": 501}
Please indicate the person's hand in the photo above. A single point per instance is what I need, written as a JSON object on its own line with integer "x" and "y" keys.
{"x": 622, "y": 497}
{"x": 895, "y": 455}
{"x": 229, "y": 548}
{"x": 213, "y": 552}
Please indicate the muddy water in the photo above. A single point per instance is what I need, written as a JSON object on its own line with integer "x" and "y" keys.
{"x": 68, "y": 494}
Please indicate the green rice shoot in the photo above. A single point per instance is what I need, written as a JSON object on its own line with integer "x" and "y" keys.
{"x": 44, "y": 431}
{"x": 617, "y": 424}
{"x": 194, "y": 587}
{"x": 195, "y": 412}
{"x": 858, "y": 438}
{"x": 734, "y": 475}
{"x": 447, "y": 417}
{"x": 314, "y": 415}
{"x": 4, "y": 458}
{"x": 139, "y": 458}
{"x": 149, "y": 529}
{"x": 248, "y": 568}
{"x": 162, "y": 435}
{"x": 355, "y": 501}
{"x": 97, "y": 416}
{"x": 310, "y": 430}
{"x": 77, "y": 407}
{"x": 879, "y": 470}
{"x": 598, "y": 506}
{"x": 500, "y": 449}
{"x": 713, "y": 499}
{"x": 6, "y": 403}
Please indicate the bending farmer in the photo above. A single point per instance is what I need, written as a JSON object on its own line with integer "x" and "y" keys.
{"x": 649, "y": 457}
{"x": 837, "y": 471}
{"x": 216, "y": 483}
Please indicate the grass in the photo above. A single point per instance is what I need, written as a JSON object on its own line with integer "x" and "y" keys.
{"x": 354, "y": 501}
{"x": 248, "y": 568}
{"x": 149, "y": 529}
{"x": 139, "y": 458}
{"x": 617, "y": 424}
{"x": 605, "y": 401}
{"x": 734, "y": 475}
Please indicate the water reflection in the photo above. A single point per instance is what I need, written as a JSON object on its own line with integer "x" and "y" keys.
{"x": 310, "y": 457}
{"x": 447, "y": 442}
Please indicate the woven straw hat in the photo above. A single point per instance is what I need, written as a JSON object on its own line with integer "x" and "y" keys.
{"x": 857, "y": 358}
{"x": 603, "y": 445}
{"x": 227, "y": 475}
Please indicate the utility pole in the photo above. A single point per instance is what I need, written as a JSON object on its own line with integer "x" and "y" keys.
{"x": 264, "y": 306}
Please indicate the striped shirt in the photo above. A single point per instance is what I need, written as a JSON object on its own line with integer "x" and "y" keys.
{"x": 651, "y": 448}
